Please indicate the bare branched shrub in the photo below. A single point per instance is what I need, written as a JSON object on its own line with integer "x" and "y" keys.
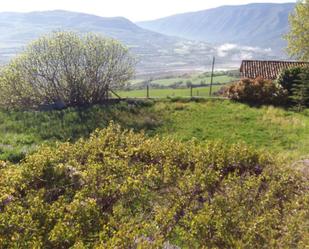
{"x": 68, "y": 68}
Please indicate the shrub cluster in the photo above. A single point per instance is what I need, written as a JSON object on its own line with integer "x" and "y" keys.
{"x": 119, "y": 189}
{"x": 291, "y": 88}
{"x": 257, "y": 91}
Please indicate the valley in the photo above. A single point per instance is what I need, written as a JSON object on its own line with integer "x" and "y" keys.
{"x": 158, "y": 50}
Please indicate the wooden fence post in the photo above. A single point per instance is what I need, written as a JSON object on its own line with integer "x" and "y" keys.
{"x": 147, "y": 91}
{"x": 212, "y": 76}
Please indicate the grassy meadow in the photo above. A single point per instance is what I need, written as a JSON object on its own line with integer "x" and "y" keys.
{"x": 21, "y": 132}
{"x": 274, "y": 129}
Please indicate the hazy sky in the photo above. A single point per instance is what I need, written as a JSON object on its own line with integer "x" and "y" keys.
{"x": 135, "y": 10}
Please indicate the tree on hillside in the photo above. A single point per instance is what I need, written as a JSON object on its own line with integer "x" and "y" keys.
{"x": 288, "y": 77}
{"x": 298, "y": 36}
{"x": 300, "y": 92}
{"x": 67, "y": 68}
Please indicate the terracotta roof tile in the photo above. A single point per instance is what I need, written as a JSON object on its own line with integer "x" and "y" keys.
{"x": 266, "y": 69}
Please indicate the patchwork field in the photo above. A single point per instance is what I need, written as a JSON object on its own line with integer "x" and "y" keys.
{"x": 177, "y": 86}
{"x": 196, "y": 79}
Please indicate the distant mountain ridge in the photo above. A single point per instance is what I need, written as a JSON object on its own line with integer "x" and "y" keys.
{"x": 156, "y": 52}
{"x": 260, "y": 24}
{"x": 24, "y": 27}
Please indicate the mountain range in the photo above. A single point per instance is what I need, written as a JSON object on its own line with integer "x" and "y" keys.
{"x": 180, "y": 43}
{"x": 153, "y": 50}
{"x": 258, "y": 25}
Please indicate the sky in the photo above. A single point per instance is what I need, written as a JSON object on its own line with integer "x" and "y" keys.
{"x": 135, "y": 10}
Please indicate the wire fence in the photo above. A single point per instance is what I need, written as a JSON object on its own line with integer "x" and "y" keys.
{"x": 189, "y": 91}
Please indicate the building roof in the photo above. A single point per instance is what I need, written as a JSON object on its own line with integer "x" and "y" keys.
{"x": 266, "y": 69}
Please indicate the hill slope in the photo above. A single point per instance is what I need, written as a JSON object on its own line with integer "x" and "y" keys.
{"x": 157, "y": 53}
{"x": 154, "y": 50}
{"x": 259, "y": 25}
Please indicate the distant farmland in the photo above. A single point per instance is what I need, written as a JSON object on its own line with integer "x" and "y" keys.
{"x": 196, "y": 79}
{"x": 169, "y": 92}
{"x": 200, "y": 83}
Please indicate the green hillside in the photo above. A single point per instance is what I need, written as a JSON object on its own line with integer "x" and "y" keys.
{"x": 260, "y": 24}
{"x": 152, "y": 50}
{"x": 274, "y": 129}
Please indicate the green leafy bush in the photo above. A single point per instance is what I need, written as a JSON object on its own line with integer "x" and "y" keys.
{"x": 257, "y": 91}
{"x": 120, "y": 189}
{"x": 289, "y": 77}
{"x": 300, "y": 92}
{"x": 296, "y": 81}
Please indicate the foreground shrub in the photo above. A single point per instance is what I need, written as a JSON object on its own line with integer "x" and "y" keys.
{"x": 64, "y": 69}
{"x": 257, "y": 91}
{"x": 124, "y": 190}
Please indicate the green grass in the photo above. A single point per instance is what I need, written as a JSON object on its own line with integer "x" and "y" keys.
{"x": 163, "y": 93}
{"x": 22, "y": 132}
{"x": 269, "y": 128}
{"x": 274, "y": 129}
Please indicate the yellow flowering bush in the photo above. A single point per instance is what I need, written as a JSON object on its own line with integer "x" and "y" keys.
{"x": 120, "y": 189}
